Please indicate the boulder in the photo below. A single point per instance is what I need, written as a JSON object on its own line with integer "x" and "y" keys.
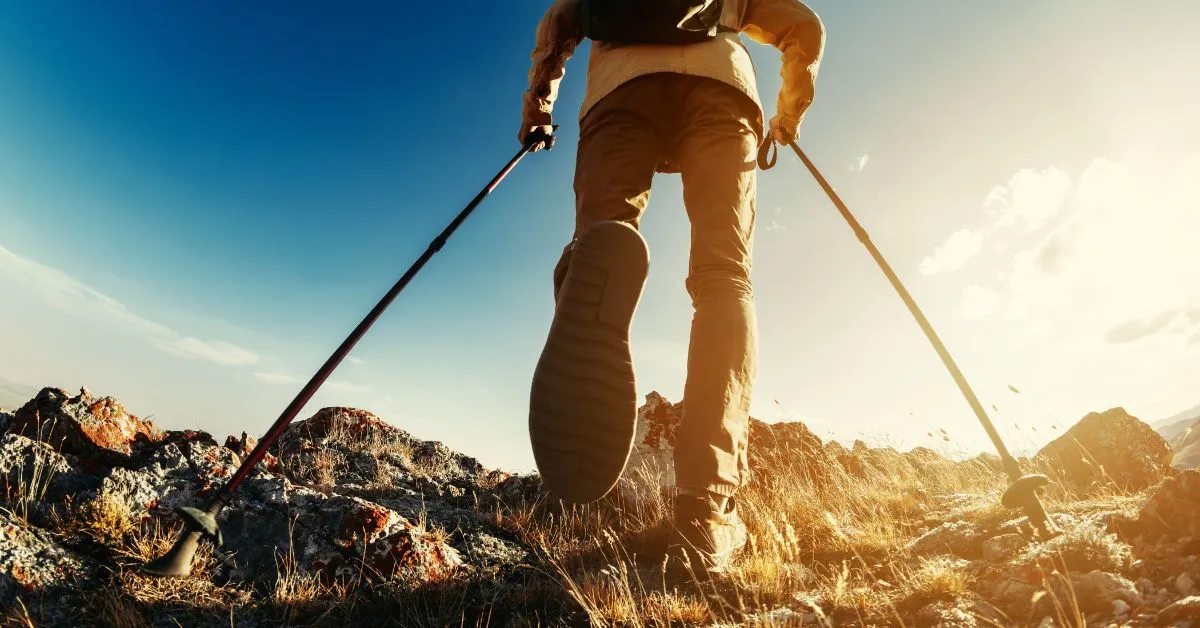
{"x": 850, "y": 463}
{"x": 246, "y": 444}
{"x": 353, "y": 450}
{"x": 335, "y": 423}
{"x": 1108, "y": 447}
{"x": 1187, "y": 608}
{"x": 1174, "y": 508}
{"x": 98, "y": 430}
{"x": 791, "y": 442}
{"x": 32, "y": 562}
{"x": 958, "y": 538}
{"x": 651, "y": 464}
{"x": 521, "y": 490}
{"x": 1096, "y": 590}
{"x": 1014, "y": 590}
{"x": 1003, "y": 548}
{"x": 33, "y": 475}
{"x": 272, "y": 519}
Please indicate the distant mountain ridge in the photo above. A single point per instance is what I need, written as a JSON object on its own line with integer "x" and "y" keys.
{"x": 1182, "y": 431}
{"x": 1189, "y": 416}
{"x": 14, "y": 394}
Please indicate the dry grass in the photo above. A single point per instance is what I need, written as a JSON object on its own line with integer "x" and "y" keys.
{"x": 324, "y": 467}
{"x": 17, "y": 616}
{"x": 1080, "y": 549}
{"x": 932, "y": 580}
{"x": 819, "y": 536}
{"x": 105, "y": 520}
{"x": 27, "y": 488}
{"x": 379, "y": 443}
{"x": 823, "y": 540}
{"x": 297, "y": 593}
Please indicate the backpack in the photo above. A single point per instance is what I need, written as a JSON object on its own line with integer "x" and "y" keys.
{"x": 650, "y": 21}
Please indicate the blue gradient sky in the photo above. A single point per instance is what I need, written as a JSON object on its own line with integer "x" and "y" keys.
{"x": 199, "y": 200}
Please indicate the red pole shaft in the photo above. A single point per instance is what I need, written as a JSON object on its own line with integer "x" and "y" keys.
{"x": 310, "y": 389}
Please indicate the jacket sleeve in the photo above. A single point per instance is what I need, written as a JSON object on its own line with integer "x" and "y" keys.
{"x": 558, "y": 34}
{"x": 798, "y": 33}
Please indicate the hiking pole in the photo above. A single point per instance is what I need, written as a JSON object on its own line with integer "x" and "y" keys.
{"x": 1023, "y": 490}
{"x": 202, "y": 522}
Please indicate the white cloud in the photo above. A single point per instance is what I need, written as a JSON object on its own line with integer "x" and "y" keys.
{"x": 1032, "y": 196}
{"x": 1120, "y": 265}
{"x": 276, "y": 378}
{"x": 958, "y": 249}
{"x": 775, "y": 225}
{"x": 218, "y": 351}
{"x": 1138, "y": 329}
{"x": 67, "y": 294}
{"x": 355, "y": 361}
{"x": 861, "y": 163}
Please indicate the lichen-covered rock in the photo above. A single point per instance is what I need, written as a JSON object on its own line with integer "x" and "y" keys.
{"x": 791, "y": 444}
{"x": 246, "y": 444}
{"x": 1020, "y": 590}
{"x": 1108, "y": 448}
{"x": 651, "y": 464}
{"x": 183, "y": 436}
{"x": 31, "y": 561}
{"x": 175, "y": 475}
{"x": 958, "y": 538}
{"x": 1003, "y": 547}
{"x": 34, "y": 474}
{"x": 1174, "y": 508}
{"x": 521, "y": 489}
{"x": 271, "y": 519}
{"x": 95, "y": 429}
{"x": 354, "y": 450}
{"x": 1187, "y": 608}
{"x": 1011, "y": 590}
{"x": 1096, "y": 590}
{"x": 852, "y": 464}
{"x": 337, "y": 420}
{"x": 339, "y": 537}
{"x": 943, "y": 614}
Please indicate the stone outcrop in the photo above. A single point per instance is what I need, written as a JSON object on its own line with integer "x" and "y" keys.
{"x": 1110, "y": 449}
{"x": 1174, "y": 508}
{"x": 386, "y": 512}
{"x": 32, "y": 561}
{"x": 348, "y": 505}
{"x": 95, "y": 429}
{"x": 651, "y": 464}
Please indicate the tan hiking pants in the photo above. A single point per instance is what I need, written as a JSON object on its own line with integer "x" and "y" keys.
{"x": 708, "y": 132}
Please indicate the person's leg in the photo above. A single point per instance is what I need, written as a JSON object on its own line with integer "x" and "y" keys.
{"x": 716, "y": 154}
{"x": 583, "y": 401}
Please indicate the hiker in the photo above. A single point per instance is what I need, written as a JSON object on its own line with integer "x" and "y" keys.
{"x": 670, "y": 93}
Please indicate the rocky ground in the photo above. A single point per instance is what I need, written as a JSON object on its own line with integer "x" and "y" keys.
{"x": 352, "y": 520}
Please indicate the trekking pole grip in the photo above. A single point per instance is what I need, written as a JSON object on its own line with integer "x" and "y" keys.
{"x": 540, "y": 136}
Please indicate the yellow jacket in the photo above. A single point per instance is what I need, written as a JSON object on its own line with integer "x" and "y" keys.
{"x": 788, "y": 25}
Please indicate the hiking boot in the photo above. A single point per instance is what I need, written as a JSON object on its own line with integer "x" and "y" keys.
{"x": 709, "y": 532}
{"x": 583, "y": 402}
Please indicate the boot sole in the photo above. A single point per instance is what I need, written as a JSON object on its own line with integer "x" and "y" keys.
{"x": 583, "y": 402}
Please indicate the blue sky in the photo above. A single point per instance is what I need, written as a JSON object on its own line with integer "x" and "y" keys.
{"x": 199, "y": 200}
